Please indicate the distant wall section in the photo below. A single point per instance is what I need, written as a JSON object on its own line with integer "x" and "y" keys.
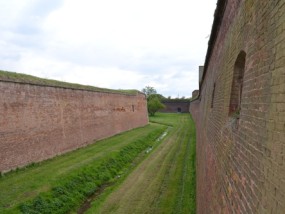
{"x": 40, "y": 122}
{"x": 176, "y": 107}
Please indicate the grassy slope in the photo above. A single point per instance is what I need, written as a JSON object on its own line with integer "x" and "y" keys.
{"x": 165, "y": 181}
{"x": 20, "y": 186}
{"x": 19, "y": 77}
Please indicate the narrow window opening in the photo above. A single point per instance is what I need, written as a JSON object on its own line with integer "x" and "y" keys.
{"x": 237, "y": 85}
{"x": 213, "y": 96}
{"x": 133, "y": 108}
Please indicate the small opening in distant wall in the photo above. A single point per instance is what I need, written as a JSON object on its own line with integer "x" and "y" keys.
{"x": 237, "y": 85}
{"x": 179, "y": 110}
{"x": 133, "y": 107}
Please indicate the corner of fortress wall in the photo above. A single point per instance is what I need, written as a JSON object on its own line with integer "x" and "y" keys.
{"x": 40, "y": 122}
{"x": 241, "y": 158}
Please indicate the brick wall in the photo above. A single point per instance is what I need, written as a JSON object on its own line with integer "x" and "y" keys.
{"x": 39, "y": 122}
{"x": 240, "y": 158}
{"x": 177, "y": 106}
{"x": 195, "y": 93}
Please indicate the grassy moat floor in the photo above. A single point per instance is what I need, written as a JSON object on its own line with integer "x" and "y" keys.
{"x": 146, "y": 170}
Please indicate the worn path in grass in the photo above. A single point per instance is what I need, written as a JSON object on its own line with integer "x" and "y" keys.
{"x": 165, "y": 181}
{"x": 26, "y": 184}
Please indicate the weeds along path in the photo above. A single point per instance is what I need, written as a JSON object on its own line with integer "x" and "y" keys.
{"x": 165, "y": 181}
{"x": 61, "y": 184}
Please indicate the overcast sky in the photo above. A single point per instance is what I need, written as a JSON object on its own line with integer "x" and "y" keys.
{"x": 119, "y": 44}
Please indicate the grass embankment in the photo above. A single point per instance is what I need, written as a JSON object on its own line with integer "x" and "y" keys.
{"x": 165, "y": 181}
{"x": 24, "y": 78}
{"x": 60, "y": 185}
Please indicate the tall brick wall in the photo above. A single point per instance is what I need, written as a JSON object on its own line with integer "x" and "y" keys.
{"x": 39, "y": 122}
{"x": 240, "y": 157}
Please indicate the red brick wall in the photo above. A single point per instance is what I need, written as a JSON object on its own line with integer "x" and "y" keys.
{"x": 240, "y": 162}
{"x": 39, "y": 122}
{"x": 172, "y": 107}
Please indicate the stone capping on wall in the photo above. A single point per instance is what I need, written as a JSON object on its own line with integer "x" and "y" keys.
{"x": 70, "y": 88}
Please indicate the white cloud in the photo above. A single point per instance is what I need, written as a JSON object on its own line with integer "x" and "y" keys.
{"x": 110, "y": 43}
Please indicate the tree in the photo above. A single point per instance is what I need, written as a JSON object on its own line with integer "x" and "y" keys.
{"x": 148, "y": 90}
{"x": 158, "y": 96}
{"x": 153, "y": 100}
{"x": 153, "y": 105}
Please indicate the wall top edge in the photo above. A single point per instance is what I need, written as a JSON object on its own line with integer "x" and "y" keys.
{"x": 18, "y": 78}
{"x": 218, "y": 17}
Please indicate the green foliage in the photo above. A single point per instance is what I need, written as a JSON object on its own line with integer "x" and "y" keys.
{"x": 158, "y": 96}
{"x": 25, "y": 184}
{"x": 153, "y": 100}
{"x": 148, "y": 90}
{"x": 182, "y": 99}
{"x": 24, "y": 78}
{"x": 71, "y": 192}
{"x": 153, "y": 105}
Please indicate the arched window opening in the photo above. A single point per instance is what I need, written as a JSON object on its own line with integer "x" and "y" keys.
{"x": 237, "y": 84}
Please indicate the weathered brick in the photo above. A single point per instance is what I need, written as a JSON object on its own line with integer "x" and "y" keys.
{"x": 248, "y": 152}
{"x": 39, "y": 122}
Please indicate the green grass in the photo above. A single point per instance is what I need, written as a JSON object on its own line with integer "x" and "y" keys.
{"x": 161, "y": 181}
{"x": 180, "y": 194}
{"x": 164, "y": 182}
{"x": 61, "y": 184}
{"x": 166, "y": 118}
{"x": 24, "y": 78}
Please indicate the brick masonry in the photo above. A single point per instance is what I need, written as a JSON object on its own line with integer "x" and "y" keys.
{"x": 240, "y": 159}
{"x": 175, "y": 106}
{"x": 40, "y": 122}
{"x": 195, "y": 94}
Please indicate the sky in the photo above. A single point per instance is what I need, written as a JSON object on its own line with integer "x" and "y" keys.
{"x": 125, "y": 44}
